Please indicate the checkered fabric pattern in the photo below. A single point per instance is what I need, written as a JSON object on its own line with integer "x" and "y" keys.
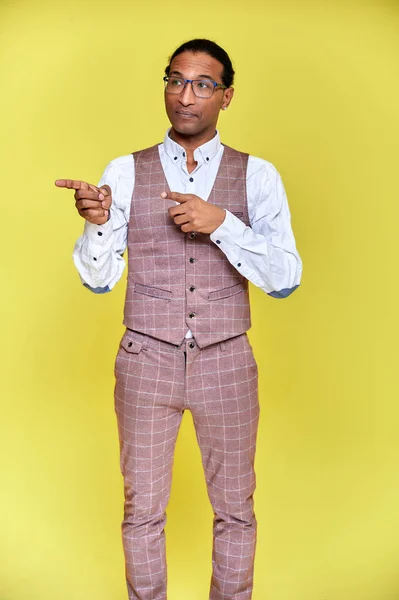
{"x": 155, "y": 382}
{"x": 179, "y": 281}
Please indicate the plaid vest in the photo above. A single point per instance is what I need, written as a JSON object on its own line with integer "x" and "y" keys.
{"x": 179, "y": 281}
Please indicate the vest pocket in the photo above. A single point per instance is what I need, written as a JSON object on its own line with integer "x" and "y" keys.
{"x": 225, "y": 292}
{"x": 154, "y": 292}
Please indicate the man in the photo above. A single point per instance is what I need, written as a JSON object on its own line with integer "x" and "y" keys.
{"x": 199, "y": 220}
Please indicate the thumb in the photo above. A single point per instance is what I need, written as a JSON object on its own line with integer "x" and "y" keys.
{"x": 106, "y": 190}
{"x": 105, "y": 196}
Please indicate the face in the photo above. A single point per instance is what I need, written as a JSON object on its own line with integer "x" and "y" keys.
{"x": 189, "y": 115}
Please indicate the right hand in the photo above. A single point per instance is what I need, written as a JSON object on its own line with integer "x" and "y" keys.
{"x": 92, "y": 203}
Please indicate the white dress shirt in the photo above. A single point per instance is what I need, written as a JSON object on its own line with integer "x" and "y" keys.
{"x": 265, "y": 253}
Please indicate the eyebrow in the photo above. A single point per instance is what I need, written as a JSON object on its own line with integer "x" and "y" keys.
{"x": 199, "y": 76}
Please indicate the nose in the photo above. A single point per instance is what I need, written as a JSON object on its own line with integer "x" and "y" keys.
{"x": 187, "y": 95}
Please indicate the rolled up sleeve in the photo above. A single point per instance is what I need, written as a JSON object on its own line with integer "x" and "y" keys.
{"x": 265, "y": 252}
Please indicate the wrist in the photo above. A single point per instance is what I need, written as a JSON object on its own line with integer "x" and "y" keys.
{"x": 220, "y": 220}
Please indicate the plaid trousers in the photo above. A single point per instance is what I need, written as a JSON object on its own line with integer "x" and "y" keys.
{"x": 155, "y": 383}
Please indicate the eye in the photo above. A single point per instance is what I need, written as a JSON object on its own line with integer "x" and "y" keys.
{"x": 175, "y": 82}
{"x": 204, "y": 84}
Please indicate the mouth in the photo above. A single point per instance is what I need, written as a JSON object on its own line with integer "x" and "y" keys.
{"x": 185, "y": 114}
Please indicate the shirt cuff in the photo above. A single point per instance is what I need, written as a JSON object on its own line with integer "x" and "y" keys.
{"x": 228, "y": 232}
{"x": 98, "y": 234}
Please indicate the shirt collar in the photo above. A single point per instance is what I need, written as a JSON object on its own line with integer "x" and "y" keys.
{"x": 202, "y": 154}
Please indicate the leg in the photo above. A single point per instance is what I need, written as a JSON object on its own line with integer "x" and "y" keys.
{"x": 149, "y": 397}
{"x": 223, "y": 384}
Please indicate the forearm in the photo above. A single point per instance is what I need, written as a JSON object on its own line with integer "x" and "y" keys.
{"x": 272, "y": 263}
{"x": 98, "y": 254}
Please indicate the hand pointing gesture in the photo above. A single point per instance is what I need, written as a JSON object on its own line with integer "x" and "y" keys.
{"x": 92, "y": 203}
{"x": 193, "y": 213}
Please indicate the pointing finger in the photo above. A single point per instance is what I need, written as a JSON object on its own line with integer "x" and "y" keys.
{"x": 72, "y": 184}
{"x": 176, "y": 196}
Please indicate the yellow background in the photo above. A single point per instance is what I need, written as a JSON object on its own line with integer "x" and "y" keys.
{"x": 317, "y": 94}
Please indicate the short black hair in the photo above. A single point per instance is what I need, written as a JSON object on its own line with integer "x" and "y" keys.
{"x": 212, "y": 49}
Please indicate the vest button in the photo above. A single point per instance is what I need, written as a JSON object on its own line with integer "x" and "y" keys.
{"x": 192, "y": 235}
{"x": 192, "y": 288}
{"x": 191, "y": 260}
{"x": 191, "y": 345}
{"x": 192, "y": 315}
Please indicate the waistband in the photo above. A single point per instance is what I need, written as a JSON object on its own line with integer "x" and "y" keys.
{"x": 146, "y": 341}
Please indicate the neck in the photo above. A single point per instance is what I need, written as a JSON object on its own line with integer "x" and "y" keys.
{"x": 191, "y": 142}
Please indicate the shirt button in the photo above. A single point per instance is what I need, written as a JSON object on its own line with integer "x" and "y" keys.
{"x": 207, "y": 158}
{"x": 192, "y": 235}
{"x": 191, "y": 260}
{"x": 191, "y": 345}
{"x": 192, "y": 288}
{"x": 184, "y": 154}
{"x": 218, "y": 241}
{"x": 175, "y": 158}
{"x": 94, "y": 258}
{"x": 238, "y": 264}
{"x": 191, "y": 179}
{"x": 192, "y": 315}
{"x": 130, "y": 344}
{"x": 99, "y": 232}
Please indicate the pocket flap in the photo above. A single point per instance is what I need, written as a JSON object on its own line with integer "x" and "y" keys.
{"x": 225, "y": 292}
{"x": 154, "y": 292}
{"x": 131, "y": 345}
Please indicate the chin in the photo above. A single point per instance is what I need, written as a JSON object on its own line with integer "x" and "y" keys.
{"x": 186, "y": 128}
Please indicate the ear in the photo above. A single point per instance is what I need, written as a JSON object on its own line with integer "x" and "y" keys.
{"x": 227, "y": 97}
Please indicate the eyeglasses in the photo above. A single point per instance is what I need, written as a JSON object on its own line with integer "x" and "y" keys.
{"x": 202, "y": 88}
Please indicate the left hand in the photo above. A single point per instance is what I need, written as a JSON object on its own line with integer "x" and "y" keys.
{"x": 193, "y": 213}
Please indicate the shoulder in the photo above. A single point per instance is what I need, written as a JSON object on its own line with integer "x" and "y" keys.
{"x": 257, "y": 167}
{"x": 126, "y": 162}
{"x": 121, "y": 163}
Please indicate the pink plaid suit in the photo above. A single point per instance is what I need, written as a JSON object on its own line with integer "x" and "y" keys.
{"x": 178, "y": 281}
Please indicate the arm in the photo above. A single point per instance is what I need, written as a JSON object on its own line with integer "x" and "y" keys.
{"x": 98, "y": 253}
{"x": 265, "y": 253}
